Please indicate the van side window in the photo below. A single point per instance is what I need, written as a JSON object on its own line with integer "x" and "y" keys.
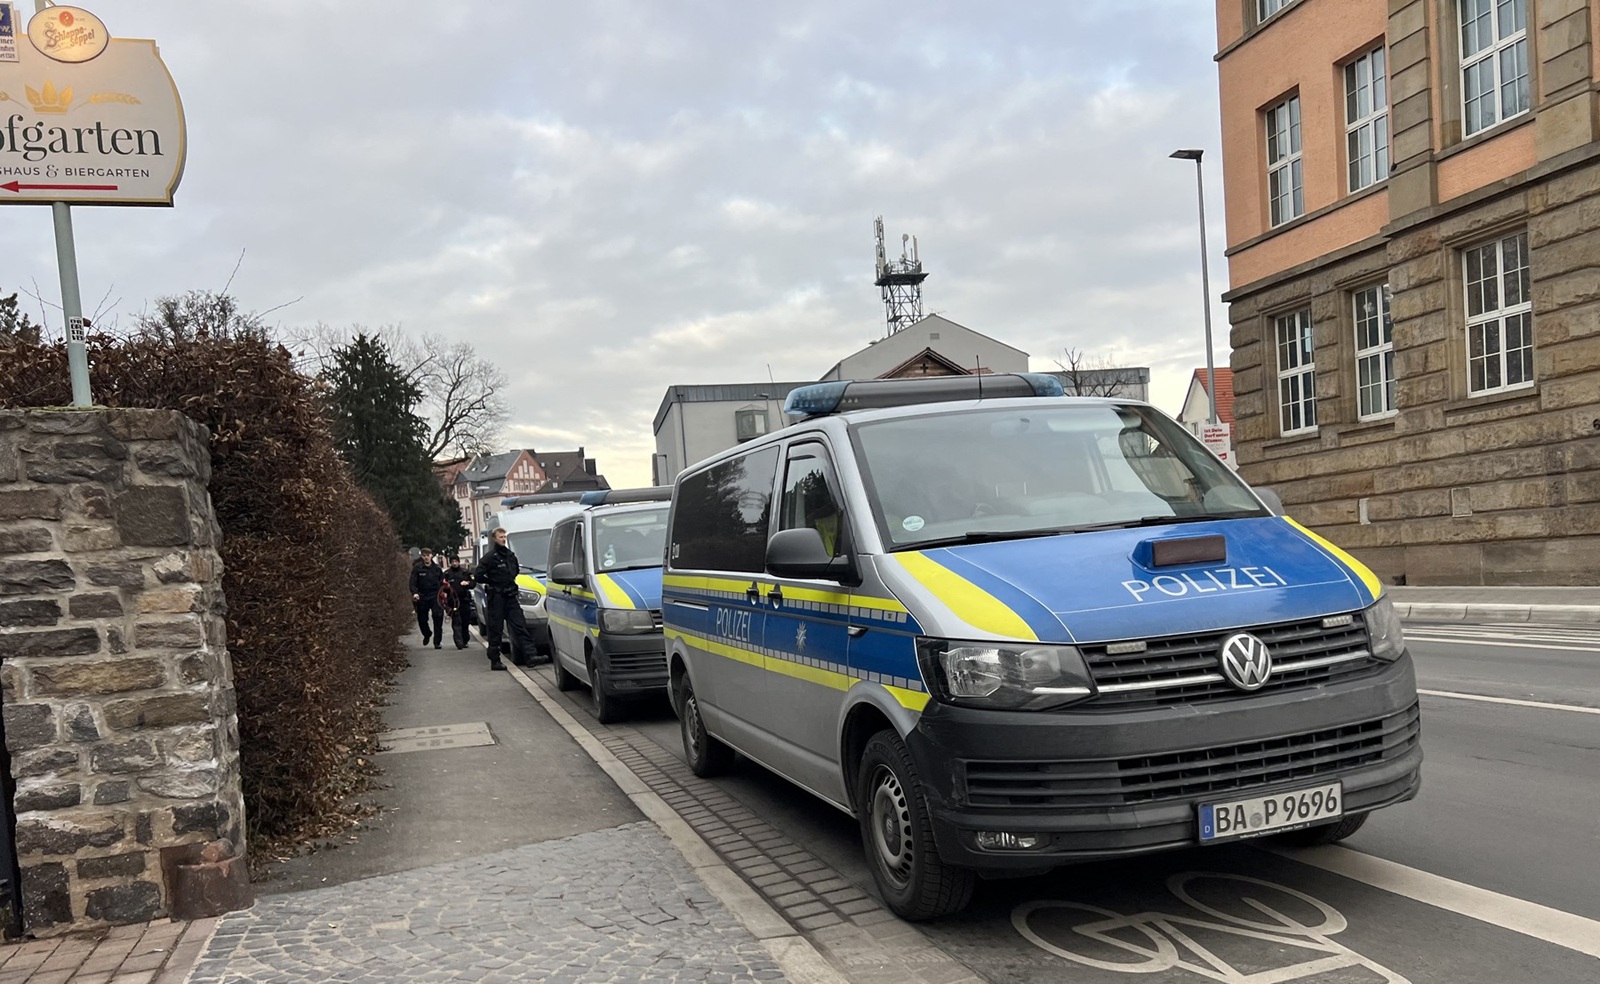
{"x": 720, "y": 516}
{"x": 578, "y": 552}
{"x": 561, "y": 544}
{"x": 809, "y": 502}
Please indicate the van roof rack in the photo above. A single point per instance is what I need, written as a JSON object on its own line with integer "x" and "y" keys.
{"x": 513, "y": 501}
{"x": 842, "y": 396}
{"x": 611, "y": 497}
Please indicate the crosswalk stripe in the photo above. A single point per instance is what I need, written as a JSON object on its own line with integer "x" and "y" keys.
{"x": 1528, "y": 918}
{"x": 1542, "y": 705}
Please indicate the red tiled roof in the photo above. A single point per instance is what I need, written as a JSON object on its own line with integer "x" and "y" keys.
{"x": 1224, "y": 391}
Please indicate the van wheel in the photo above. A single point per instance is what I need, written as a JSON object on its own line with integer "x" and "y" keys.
{"x": 1324, "y": 833}
{"x": 607, "y": 709}
{"x": 898, "y": 836}
{"x": 564, "y": 680}
{"x": 706, "y": 756}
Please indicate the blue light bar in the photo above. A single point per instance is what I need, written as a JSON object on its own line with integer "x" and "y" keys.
{"x": 611, "y": 497}
{"x": 839, "y": 397}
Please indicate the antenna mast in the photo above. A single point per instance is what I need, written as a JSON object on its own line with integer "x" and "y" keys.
{"x": 901, "y": 281}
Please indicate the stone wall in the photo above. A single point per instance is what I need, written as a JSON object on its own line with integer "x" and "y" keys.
{"x": 119, "y": 711}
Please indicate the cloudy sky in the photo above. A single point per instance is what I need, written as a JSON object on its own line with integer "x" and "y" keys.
{"x": 613, "y": 196}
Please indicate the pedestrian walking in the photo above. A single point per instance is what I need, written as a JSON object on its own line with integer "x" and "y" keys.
{"x": 426, "y": 578}
{"x": 456, "y": 595}
{"x": 497, "y": 572}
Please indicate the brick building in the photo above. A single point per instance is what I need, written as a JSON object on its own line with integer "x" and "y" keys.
{"x": 1413, "y": 220}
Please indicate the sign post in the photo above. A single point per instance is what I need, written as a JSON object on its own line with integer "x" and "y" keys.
{"x": 104, "y": 126}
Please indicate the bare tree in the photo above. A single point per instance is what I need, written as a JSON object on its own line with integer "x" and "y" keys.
{"x": 201, "y": 314}
{"x": 461, "y": 391}
{"x": 1087, "y": 375}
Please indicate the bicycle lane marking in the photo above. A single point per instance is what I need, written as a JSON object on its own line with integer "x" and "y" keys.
{"x": 1528, "y": 918}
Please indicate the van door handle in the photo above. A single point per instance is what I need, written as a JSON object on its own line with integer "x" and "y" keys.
{"x": 753, "y": 592}
{"x": 856, "y": 631}
{"x": 776, "y": 594}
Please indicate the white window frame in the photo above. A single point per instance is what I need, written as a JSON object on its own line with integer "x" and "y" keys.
{"x": 1267, "y": 9}
{"x": 1285, "y": 180}
{"x": 1499, "y": 29}
{"x": 1374, "y": 330}
{"x": 1297, "y": 373}
{"x": 1499, "y": 308}
{"x": 1366, "y": 111}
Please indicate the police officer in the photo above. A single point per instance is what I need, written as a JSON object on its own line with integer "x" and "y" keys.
{"x": 457, "y": 598}
{"x": 426, "y": 579}
{"x": 497, "y": 572}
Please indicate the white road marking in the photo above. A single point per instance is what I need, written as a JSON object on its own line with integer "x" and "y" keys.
{"x": 1528, "y": 918}
{"x": 1500, "y": 644}
{"x": 1542, "y": 705}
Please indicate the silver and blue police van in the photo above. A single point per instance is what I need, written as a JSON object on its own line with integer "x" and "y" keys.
{"x": 1010, "y": 630}
{"x": 605, "y": 598}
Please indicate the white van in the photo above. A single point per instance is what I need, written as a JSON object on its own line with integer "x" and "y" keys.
{"x": 528, "y": 520}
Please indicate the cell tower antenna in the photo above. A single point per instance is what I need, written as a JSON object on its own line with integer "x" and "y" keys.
{"x": 900, "y": 280}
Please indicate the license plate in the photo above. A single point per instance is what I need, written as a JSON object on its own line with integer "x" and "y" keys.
{"x": 1266, "y": 814}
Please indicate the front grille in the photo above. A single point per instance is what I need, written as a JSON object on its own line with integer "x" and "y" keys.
{"x": 1187, "y": 669}
{"x": 1090, "y": 785}
{"x": 639, "y": 663}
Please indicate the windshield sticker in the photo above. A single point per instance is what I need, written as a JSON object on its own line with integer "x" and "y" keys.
{"x": 911, "y": 524}
{"x": 1205, "y": 582}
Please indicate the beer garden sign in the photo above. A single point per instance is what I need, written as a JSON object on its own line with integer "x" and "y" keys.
{"x": 85, "y": 118}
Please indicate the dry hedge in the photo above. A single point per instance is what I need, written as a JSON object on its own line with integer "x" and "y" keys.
{"x": 314, "y": 575}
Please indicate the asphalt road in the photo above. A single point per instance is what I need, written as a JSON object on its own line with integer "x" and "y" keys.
{"x": 1491, "y": 875}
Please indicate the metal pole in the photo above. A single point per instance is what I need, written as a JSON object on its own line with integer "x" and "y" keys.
{"x": 71, "y": 303}
{"x": 1205, "y": 286}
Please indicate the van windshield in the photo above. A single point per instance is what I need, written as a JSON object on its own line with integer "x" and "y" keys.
{"x": 532, "y": 548}
{"x": 630, "y": 540}
{"x": 1008, "y": 473}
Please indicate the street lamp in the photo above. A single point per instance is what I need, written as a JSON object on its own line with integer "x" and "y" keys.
{"x": 1205, "y": 274}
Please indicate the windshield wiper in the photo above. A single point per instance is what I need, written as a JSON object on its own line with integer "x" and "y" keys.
{"x": 980, "y": 536}
{"x": 1126, "y": 524}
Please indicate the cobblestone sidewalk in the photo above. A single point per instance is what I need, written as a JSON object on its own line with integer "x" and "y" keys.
{"x": 613, "y": 906}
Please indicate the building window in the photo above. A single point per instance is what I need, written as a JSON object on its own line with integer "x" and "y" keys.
{"x": 1494, "y": 61}
{"x": 750, "y": 424}
{"x": 1374, "y": 352}
{"x": 1283, "y": 161}
{"x": 1366, "y": 115}
{"x": 1499, "y": 316}
{"x": 1297, "y": 375}
{"x": 1266, "y": 8}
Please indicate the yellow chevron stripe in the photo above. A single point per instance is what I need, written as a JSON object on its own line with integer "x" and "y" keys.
{"x": 613, "y": 592}
{"x": 968, "y": 601}
{"x": 1361, "y": 570}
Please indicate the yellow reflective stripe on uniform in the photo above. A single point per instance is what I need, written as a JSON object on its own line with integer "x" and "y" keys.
{"x": 966, "y": 600}
{"x": 1357, "y": 567}
{"x": 612, "y": 591}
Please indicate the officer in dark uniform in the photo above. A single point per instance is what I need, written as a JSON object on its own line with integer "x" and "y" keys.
{"x": 497, "y": 572}
{"x": 457, "y": 597}
{"x": 426, "y": 579}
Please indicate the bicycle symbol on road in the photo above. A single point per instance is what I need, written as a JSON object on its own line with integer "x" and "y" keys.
{"x": 1151, "y": 942}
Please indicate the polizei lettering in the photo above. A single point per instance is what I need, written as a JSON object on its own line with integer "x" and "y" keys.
{"x": 1204, "y": 582}
{"x": 733, "y": 625}
{"x": 35, "y": 141}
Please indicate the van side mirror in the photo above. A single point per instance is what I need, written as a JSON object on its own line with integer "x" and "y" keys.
{"x": 566, "y": 572}
{"x": 801, "y": 553}
{"x": 1270, "y": 498}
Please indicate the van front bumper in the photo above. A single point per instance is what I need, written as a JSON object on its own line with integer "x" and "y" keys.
{"x": 633, "y": 665}
{"x": 1102, "y": 785}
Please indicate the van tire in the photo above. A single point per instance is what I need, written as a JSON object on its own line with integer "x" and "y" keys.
{"x": 706, "y": 756}
{"x": 564, "y": 679}
{"x": 1324, "y": 833}
{"x": 607, "y": 709}
{"x": 897, "y": 836}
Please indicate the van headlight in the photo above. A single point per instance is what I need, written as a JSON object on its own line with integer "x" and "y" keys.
{"x": 529, "y": 596}
{"x": 1383, "y": 629}
{"x": 1012, "y": 676}
{"x": 626, "y": 621}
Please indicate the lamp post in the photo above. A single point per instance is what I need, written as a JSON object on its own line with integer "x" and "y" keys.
{"x": 1205, "y": 274}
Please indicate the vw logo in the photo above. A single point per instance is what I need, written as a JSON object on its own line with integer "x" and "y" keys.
{"x": 1245, "y": 661}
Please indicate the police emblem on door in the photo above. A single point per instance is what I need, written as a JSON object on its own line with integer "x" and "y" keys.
{"x": 1246, "y": 661}
{"x": 800, "y": 638}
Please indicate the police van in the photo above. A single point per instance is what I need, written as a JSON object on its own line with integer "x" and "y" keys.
{"x": 1010, "y": 630}
{"x": 528, "y": 520}
{"x": 605, "y": 598}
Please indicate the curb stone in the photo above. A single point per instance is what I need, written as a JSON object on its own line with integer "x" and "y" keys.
{"x": 1475, "y": 612}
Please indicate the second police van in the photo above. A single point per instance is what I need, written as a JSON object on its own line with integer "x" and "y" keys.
{"x": 528, "y": 520}
{"x": 1009, "y": 630}
{"x": 605, "y": 598}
